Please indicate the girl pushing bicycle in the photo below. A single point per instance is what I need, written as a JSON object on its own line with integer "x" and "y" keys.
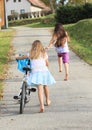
{"x": 40, "y": 76}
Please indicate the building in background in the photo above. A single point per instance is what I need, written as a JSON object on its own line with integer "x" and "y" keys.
{"x": 20, "y": 9}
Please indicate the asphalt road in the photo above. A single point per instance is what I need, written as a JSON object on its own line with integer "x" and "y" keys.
{"x": 71, "y": 107}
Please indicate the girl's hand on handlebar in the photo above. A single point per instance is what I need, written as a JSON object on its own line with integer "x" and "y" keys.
{"x": 16, "y": 56}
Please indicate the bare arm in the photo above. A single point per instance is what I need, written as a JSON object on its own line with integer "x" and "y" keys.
{"x": 52, "y": 41}
{"x": 46, "y": 60}
{"x": 47, "y": 63}
{"x": 21, "y": 57}
{"x": 68, "y": 38}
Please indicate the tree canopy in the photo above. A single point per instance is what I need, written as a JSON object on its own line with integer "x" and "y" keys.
{"x": 53, "y": 4}
{"x": 79, "y": 1}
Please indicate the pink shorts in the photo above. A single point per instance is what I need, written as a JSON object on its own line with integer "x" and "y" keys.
{"x": 65, "y": 57}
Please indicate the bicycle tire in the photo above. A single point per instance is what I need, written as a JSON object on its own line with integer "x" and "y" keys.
{"x": 23, "y": 98}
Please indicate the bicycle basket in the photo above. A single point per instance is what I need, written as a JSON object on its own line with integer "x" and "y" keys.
{"x": 23, "y": 63}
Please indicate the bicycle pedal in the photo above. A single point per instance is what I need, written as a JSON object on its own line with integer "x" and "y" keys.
{"x": 32, "y": 89}
{"x": 16, "y": 97}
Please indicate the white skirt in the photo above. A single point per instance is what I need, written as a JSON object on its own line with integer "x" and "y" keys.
{"x": 43, "y": 78}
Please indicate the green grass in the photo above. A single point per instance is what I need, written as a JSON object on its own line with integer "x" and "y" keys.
{"x": 40, "y": 25}
{"x": 80, "y": 35}
{"x": 81, "y": 39}
{"x": 5, "y": 47}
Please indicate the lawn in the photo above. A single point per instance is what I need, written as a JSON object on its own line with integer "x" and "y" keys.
{"x": 5, "y": 50}
{"x": 81, "y": 39}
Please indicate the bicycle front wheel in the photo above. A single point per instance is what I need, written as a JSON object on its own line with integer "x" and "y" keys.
{"x": 23, "y": 97}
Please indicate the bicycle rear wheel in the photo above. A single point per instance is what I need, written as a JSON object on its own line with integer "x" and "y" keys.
{"x": 23, "y": 98}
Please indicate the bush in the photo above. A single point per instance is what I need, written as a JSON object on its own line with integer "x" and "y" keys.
{"x": 48, "y": 20}
{"x": 24, "y": 21}
{"x": 71, "y": 14}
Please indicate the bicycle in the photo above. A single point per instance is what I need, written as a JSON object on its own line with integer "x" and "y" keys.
{"x": 25, "y": 90}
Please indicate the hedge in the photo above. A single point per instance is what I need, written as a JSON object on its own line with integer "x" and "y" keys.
{"x": 72, "y": 14}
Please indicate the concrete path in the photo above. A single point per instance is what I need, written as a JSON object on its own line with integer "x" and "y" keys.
{"x": 71, "y": 107}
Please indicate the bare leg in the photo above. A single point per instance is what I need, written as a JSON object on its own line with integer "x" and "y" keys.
{"x": 66, "y": 65}
{"x": 60, "y": 63}
{"x": 46, "y": 92}
{"x": 40, "y": 96}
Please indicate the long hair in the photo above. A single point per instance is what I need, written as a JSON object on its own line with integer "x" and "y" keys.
{"x": 60, "y": 33}
{"x": 37, "y": 50}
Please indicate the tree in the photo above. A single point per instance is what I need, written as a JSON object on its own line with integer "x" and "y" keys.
{"x": 62, "y": 2}
{"x": 46, "y": 2}
{"x": 51, "y": 4}
{"x": 75, "y": 2}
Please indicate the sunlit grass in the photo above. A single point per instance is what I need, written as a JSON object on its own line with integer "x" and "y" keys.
{"x": 40, "y": 25}
{"x": 81, "y": 39}
{"x": 5, "y": 48}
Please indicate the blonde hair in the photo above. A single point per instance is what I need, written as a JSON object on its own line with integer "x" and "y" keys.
{"x": 37, "y": 50}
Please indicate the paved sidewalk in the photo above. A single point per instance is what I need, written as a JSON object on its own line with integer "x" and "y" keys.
{"x": 71, "y": 107}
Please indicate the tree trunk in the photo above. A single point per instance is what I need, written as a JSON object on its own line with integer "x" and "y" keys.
{"x": 52, "y": 7}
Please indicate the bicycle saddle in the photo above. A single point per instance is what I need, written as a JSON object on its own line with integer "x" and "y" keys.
{"x": 26, "y": 69}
